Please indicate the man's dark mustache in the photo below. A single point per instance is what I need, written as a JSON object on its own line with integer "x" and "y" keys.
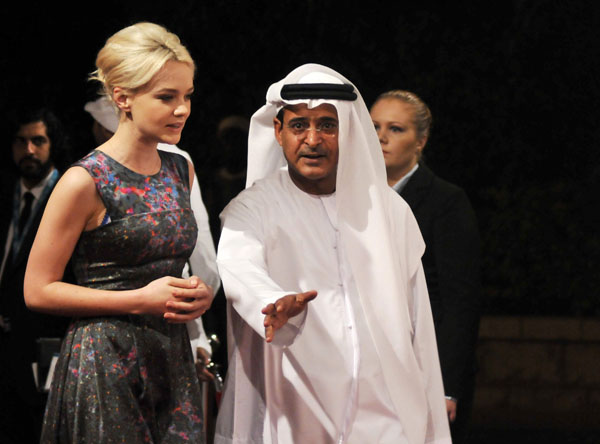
{"x": 318, "y": 151}
{"x": 30, "y": 159}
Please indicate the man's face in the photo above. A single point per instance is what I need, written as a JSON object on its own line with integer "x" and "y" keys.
{"x": 31, "y": 151}
{"x": 309, "y": 138}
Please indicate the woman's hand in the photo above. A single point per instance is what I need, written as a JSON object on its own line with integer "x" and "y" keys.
{"x": 176, "y": 299}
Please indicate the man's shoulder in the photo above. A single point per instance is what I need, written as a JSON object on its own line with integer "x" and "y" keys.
{"x": 271, "y": 185}
{"x": 263, "y": 195}
{"x": 7, "y": 185}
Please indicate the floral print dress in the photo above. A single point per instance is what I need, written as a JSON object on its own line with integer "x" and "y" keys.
{"x": 129, "y": 379}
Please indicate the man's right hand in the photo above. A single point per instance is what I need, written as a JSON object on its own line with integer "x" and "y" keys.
{"x": 278, "y": 313}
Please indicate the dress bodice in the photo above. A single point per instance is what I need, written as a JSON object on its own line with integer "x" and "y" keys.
{"x": 151, "y": 232}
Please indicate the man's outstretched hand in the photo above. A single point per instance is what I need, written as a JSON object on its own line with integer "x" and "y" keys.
{"x": 278, "y": 313}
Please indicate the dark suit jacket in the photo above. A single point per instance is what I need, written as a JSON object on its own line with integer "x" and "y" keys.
{"x": 452, "y": 270}
{"x": 18, "y": 347}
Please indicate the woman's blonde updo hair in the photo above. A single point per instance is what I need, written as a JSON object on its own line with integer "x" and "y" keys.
{"x": 132, "y": 56}
{"x": 423, "y": 119}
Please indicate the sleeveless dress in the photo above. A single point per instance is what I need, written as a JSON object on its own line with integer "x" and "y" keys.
{"x": 129, "y": 379}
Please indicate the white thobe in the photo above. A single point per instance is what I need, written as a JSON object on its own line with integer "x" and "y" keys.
{"x": 202, "y": 261}
{"x": 321, "y": 380}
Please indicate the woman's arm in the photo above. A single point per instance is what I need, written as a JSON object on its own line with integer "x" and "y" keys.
{"x": 73, "y": 207}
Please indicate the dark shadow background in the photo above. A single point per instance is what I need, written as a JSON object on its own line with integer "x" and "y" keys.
{"x": 512, "y": 85}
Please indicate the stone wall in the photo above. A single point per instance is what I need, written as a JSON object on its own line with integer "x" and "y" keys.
{"x": 538, "y": 373}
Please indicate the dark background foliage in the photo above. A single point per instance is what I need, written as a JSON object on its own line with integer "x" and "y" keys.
{"x": 512, "y": 86}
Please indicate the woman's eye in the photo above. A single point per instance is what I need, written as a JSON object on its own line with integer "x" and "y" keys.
{"x": 397, "y": 129}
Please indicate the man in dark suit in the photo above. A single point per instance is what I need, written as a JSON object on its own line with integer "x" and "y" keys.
{"x": 452, "y": 257}
{"x": 37, "y": 146}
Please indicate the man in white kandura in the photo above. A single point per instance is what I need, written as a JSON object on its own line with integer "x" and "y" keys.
{"x": 331, "y": 338}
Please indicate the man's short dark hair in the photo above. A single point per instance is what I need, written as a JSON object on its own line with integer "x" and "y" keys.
{"x": 279, "y": 115}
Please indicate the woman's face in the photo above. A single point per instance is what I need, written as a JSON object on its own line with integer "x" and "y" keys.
{"x": 394, "y": 122}
{"x": 160, "y": 109}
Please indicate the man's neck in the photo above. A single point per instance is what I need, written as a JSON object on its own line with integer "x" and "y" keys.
{"x": 29, "y": 184}
{"x": 314, "y": 187}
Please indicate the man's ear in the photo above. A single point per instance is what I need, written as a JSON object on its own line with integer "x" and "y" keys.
{"x": 122, "y": 98}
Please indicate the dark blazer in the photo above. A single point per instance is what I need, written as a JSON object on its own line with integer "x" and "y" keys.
{"x": 18, "y": 347}
{"x": 452, "y": 270}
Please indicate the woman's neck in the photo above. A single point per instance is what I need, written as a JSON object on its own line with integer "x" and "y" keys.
{"x": 133, "y": 151}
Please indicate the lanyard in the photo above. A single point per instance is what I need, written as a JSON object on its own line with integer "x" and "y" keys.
{"x": 18, "y": 236}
